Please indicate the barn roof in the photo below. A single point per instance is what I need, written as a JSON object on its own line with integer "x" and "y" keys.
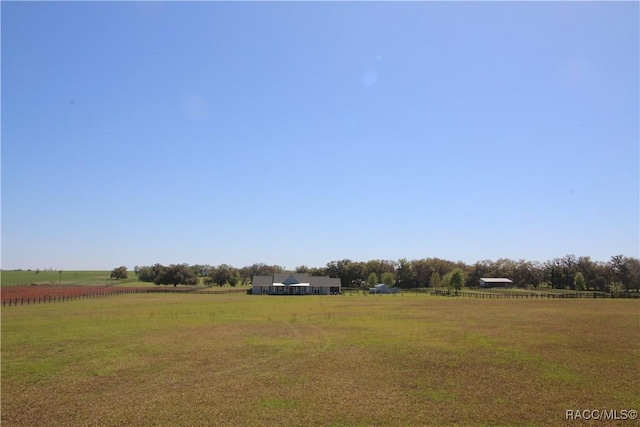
{"x": 496, "y": 280}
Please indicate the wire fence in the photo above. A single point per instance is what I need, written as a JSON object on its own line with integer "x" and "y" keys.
{"x": 80, "y": 293}
{"x": 514, "y": 294}
{"x": 500, "y": 293}
{"x": 48, "y": 299}
{"x": 477, "y": 294}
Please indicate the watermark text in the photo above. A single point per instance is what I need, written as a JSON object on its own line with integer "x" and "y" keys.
{"x": 601, "y": 414}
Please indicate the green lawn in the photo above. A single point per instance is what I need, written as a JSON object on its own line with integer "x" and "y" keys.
{"x": 156, "y": 359}
{"x": 25, "y": 277}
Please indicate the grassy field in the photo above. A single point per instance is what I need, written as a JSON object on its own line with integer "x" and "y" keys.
{"x": 79, "y": 278}
{"x": 155, "y": 359}
{"x": 68, "y": 278}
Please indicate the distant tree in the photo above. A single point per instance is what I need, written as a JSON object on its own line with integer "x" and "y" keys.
{"x": 223, "y": 274}
{"x": 578, "y": 282}
{"x": 406, "y": 274}
{"x": 553, "y": 273}
{"x": 245, "y": 275}
{"x": 440, "y": 265}
{"x": 446, "y": 281}
{"x": 379, "y": 267}
{"x": 525, "y": 274}
{"x": 119, "y": 273}
{"x": 146, "y": 274}
{"x": 569, "y": 263}
{"x": 626, "y": 271}
{"x": 589, "y": 270}
{"x": 372, "y": 281}
{"x": 261, "y": 269}
{"x": 200, "y": 269}
{"x": 389, "y": 279}
{"x": 435, "y": 280}
{"x": 633, "y": 274}
{"x": 457, "y": 279}
{"x": 350, "y": 273}
{"x": 422, "y": 272}
{"x": 176, "y": 274}
{"x": 615, "y": 287}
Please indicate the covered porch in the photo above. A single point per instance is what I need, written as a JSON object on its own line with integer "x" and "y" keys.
{"x": 289, "y": 289}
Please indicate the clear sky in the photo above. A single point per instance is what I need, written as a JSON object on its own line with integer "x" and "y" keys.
{"x": 301, "y": 133}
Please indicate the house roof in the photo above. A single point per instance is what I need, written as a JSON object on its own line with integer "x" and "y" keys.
{"x": 496, "y": 280}
{"x": 324, "y": 281}
{"x": 294, "y": 279}
{"x": 262, "y": 281}
{"x": 290, "y": 278}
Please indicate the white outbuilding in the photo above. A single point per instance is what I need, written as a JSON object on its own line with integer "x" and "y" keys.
{"x": 495, "y": 282}
{"x": 382, "y": 289}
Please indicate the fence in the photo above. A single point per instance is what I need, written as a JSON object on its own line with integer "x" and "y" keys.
{"x": 47, "y": 299}
{"x": 196, "y": 291}
{"x": 169, "y": 291}
{"x": 224, "y": 291}
{"x": 531, "y": 295}
{"x": 504, "y": 293}
{"x": 487, "y": 294}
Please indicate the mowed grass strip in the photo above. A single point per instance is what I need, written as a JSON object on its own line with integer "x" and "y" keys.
{"x": 316, "y": 360}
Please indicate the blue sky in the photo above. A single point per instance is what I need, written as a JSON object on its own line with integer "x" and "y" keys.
{"x": 301, "y": 133}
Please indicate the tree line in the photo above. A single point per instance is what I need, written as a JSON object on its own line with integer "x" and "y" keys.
{"x": 185, "y": 274}
{"x": 620, "y": 273}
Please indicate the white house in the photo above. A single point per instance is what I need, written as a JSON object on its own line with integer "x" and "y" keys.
{"x": 492, "y": 282}
{"x": 295, "y": 284}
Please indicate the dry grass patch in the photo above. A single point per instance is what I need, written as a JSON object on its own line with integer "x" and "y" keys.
{"x": 247, "y": 360}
